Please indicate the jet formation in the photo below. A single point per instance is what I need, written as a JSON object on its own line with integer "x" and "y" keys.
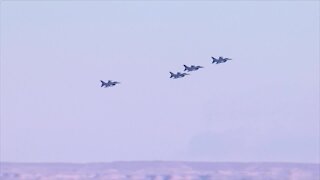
{"x": 175, "y": 75}
{"x": 196, "y": 68}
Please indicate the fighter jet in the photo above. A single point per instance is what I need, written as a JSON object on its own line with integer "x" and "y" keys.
{"x": 178, "y": 75}
{"x": 219, "y": 60}
{"x": 109, "y": 83}
{"x": 191, "y": 68}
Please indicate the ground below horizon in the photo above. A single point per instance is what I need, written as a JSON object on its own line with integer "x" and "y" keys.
{"x": 160, "y": 170}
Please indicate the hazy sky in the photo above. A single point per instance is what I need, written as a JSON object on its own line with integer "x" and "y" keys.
{"x": 261, "y": 106}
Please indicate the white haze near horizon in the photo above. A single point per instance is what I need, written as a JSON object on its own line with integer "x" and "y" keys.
{"x": 261, "y": 106}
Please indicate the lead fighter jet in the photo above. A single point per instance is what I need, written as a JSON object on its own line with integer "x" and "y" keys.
{"x": 109, "y": 83}
{"x": 178, "y": 75}
{"x": 191, "y": 68}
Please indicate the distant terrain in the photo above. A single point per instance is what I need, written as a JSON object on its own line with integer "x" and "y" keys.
{"x": 160, "y": 170}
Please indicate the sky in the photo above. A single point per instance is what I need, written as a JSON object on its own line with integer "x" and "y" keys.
{"x": 262, "y": 106}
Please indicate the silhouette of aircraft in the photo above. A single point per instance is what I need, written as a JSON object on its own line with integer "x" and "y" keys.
{"x": 178, "y": 75}
{"x": 109, "y": 83}
{"x": 191, "y": 68}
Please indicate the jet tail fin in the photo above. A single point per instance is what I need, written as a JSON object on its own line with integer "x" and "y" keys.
{"x": 103, "y": 83}
{"x": 214, "y": 60}
{"x": 171, "y": 74}
{"x": 185, "y": 67}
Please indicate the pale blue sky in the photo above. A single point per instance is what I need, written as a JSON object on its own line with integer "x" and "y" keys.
{"x": 262, "y": 106}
